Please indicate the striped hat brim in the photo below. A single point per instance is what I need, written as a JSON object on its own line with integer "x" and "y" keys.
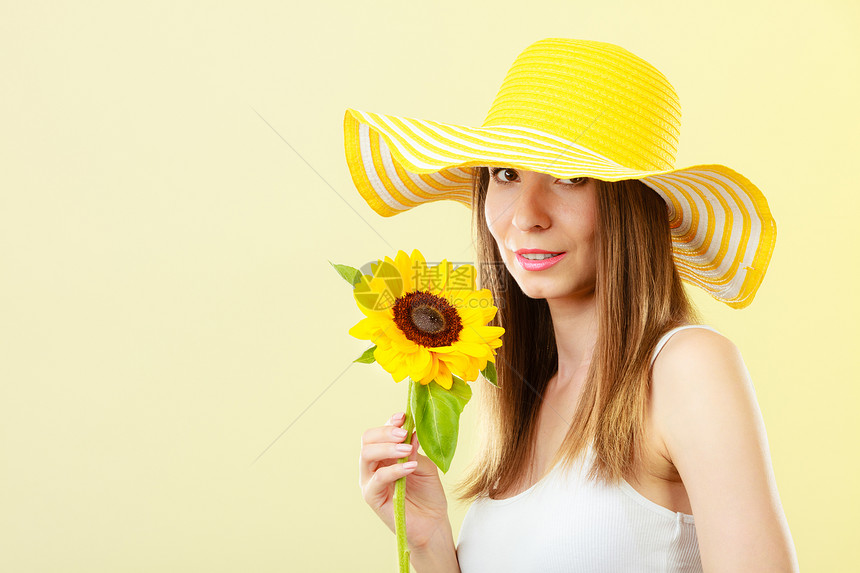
{"x": 723, "y": 233}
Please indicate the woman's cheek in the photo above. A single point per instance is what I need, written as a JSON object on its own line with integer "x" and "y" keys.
{"x": 491, "y": 219}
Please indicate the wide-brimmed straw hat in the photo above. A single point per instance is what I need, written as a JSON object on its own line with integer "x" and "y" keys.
{"x": 577, "y": 108}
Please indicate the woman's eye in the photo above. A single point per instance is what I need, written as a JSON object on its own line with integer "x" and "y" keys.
{"x": 574, "y": 180}
{"x": 505, "y": 171}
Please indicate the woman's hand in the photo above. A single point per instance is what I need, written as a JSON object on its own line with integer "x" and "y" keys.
{"x": 425, "y": 503}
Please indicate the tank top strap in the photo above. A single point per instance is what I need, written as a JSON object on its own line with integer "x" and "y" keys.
{"x": 665, "y": 338}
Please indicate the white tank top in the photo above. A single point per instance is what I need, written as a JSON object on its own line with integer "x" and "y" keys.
{"x": 566, "y": 523}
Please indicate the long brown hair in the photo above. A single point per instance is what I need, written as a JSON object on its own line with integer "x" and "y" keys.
{"x": 639, "y": 297}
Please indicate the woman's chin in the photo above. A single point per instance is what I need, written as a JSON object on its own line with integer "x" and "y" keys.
{"x": 537, "y": 291}
{"x": 556, "y": 291}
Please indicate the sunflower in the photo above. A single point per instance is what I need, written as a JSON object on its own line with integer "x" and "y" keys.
{"x": 428, "y": 323}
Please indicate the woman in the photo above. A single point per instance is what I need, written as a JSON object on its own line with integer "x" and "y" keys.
{"x": 623, "y": 435}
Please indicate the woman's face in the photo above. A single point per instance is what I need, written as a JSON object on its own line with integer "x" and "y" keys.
{"x": 526, "y": 210}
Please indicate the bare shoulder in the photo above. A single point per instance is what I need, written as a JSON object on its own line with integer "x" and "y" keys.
{"x": 698, "y": 370}
{"x": 690, "y": 347}
{"x": 707, "y": 417}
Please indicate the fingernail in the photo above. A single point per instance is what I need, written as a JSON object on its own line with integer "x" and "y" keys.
{"x": 409, "y": 465}
{"x": 400, "y": 433}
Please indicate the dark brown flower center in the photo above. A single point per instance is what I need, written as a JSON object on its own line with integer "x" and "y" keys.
{"x": 427, "y": 319}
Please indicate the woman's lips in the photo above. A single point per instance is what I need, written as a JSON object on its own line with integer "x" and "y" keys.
{"x": 531, "y": 265}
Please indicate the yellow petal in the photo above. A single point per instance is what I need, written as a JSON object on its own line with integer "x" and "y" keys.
{"x": 472, "y": 373}
{"x": 404, "y": 265}
{"x": 394, "y": 276}
{"x": 482, "y": 301}
{"x": 422, "y": 364}
{"x": 443, "y": 349}
{"x": 455, "y": 362}
{"x": 403, "y": 344}
{"x": 387, "y": 357}
{"x": 434, "y": 370}
{"x": 481, "y": 334}
{"x": 471, "y": 348}
{"x": 470, "y": 317}
{"x": 387, "y": 281}
{"x": 444, "y": 378}
{"x": 396, "y": 336}
{"x": 439, "y": 277}
{"x": 370, "y": 301}
{"x": 458, "y": 298}
{"x": 401, "y": 372}
{"x": 469, "y": 372}
{"x": 489, "y": 313}
{"x": 491, "y": 331}
{"x": 365, "y": 329}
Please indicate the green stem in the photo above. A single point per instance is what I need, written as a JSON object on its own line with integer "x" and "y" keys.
{"x": 400, "y": 493}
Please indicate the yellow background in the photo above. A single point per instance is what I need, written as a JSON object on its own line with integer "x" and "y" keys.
{"x": 173, "y": 183}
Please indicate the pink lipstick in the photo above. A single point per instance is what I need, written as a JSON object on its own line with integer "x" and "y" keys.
{"x": 538, "y": 265}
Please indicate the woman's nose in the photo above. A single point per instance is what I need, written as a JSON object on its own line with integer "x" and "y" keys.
{"x": 531, "y": 209}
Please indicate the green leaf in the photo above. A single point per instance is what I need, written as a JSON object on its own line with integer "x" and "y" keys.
{"x": 349, "y": 274}
{"x": 437, "y": 418}
{"x": 367, "y": 357}
{"x": 490, "y": 373}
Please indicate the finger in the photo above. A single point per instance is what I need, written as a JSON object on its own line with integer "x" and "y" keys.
{"x": 376, "y": 492}
{"x": 369, "y": 460}
{"x": 390, "y": 432}
{"x": 398, "y": 417}
{"x": 385, "y": 453}
{"x": 426, "y": 466}
{"x": 413, "y": 456}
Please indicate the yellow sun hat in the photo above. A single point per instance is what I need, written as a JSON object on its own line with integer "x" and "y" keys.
{"x": 577, "y": 108}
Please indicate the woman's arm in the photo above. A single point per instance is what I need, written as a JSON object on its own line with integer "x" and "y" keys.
{"x": 438, "y": 556}
{"x": 706, "y": 413}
